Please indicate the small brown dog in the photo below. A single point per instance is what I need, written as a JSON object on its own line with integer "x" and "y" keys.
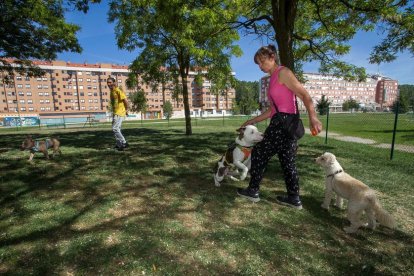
{"x": 40, "y": 146}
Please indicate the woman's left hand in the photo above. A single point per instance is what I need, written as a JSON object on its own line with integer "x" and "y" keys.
{"x": 315, "y": 125}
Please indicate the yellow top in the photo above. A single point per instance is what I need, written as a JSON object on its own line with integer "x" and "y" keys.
{"x": 117, "y": 102}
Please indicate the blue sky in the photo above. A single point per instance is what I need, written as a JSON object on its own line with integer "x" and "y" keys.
{"x": 98, "y": 41}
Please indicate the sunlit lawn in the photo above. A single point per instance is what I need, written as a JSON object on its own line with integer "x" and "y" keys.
{"x": 376, "y": 126}
{"x": 154, "y": 209}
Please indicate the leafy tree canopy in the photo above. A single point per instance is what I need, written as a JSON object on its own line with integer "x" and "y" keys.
{"x": 179, "y": 35}
{"x": 322, "y": 105}
{"x": 402, "y": 103}
{"x": 138, "y": 101}
{"x": 36, "y": 29}
{"x": 407, "y": 90}
{"x": 247, "y": 96}
{"x": 350, "y": 104}
{"x": 320, "y": 30}
{"x": 167, "y": 109}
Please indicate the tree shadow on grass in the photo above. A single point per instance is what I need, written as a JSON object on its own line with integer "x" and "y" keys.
{"x": 155, "y": 208}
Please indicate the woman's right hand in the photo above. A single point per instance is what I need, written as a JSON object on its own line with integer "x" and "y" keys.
{"x": 248, "y": 122}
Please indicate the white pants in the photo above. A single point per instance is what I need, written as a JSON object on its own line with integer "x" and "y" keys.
{"x": 116, "y": 128}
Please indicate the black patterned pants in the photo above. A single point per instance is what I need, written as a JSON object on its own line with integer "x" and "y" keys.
{"x": 275, "y": 142}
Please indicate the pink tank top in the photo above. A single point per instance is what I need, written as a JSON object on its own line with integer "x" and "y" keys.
{"x": 280, "y": 95}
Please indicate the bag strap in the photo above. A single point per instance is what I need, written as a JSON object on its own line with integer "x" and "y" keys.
{"x": 277, "y": 110}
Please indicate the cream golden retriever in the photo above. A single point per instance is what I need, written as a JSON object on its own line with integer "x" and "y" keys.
{"x": 360, "y": 197}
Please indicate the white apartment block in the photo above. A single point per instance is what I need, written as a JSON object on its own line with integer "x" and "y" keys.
{"x": 375, "y": 93}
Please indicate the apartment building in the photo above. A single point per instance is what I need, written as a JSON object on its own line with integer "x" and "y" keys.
{"x": 77, "y": 88}
{"x": 375, "y": 93}
{"x": 386, "y": 92}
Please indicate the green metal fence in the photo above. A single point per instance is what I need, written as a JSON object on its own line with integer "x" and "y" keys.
{"x": 379, "y": 129}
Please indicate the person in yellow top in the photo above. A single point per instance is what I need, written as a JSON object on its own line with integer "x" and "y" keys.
{"x": 119, "y": 106}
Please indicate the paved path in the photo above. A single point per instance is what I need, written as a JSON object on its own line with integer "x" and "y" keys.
{"x": 336, "y": 136}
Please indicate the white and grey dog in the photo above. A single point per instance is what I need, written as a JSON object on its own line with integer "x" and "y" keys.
{"x": 360, "y": 197}
{"x": 238, "y": 156}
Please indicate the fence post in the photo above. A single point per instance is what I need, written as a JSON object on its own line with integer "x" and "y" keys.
{"x": 327, "y": 125}
{"x": 394, "y": 130}
{"x": 64, "y": 122}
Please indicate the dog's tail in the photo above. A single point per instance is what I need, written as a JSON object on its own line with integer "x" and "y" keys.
{"x": 383, "y": 217}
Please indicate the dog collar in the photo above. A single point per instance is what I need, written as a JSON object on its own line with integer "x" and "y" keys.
{"x": 246, "y": 151}
{"x": 241, "y": 147}
{"x": 338, "y": 171}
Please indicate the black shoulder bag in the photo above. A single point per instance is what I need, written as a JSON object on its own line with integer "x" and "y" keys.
{"x": 292, "y": 124}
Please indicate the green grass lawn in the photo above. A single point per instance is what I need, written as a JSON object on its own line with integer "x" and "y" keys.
{"x": 154, "y": 209}
{"x": 376, "y": 126}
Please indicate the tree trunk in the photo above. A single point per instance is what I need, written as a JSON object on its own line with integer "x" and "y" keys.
{"x": 188, "y": 130}
{"x": 163, "y": 98}
{"x": 284, "y": 13}
{"x": 184, "y": 69}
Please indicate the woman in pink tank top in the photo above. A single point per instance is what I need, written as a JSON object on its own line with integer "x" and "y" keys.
{"x": 284, "y": 87}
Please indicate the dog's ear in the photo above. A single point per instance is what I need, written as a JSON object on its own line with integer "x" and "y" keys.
{"x": 241, "y": 129}
{"x": 241, "y": 132}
